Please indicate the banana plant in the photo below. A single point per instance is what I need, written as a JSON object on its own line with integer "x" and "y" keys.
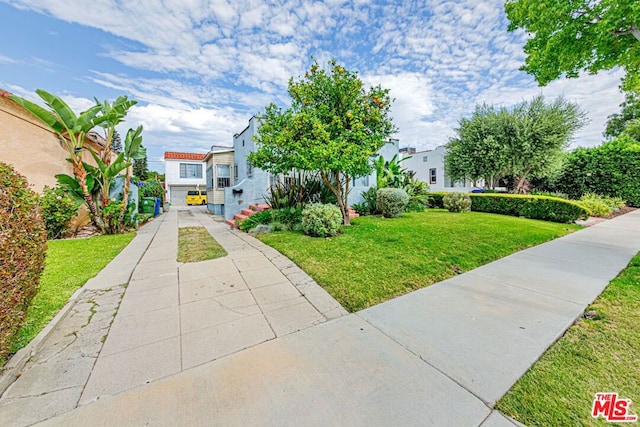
{"x": 133, "y": 150}
{"x": 71, "y": 130}
{"x": 114, "y": 114}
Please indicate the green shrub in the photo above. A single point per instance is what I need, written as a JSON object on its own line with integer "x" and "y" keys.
{"x": 150, "y": 188}
{"x": 435, "y": 200}
{"x": 457, "y": 202}
{"x": 58, "y": 209}
{"x": 534, "y": 207}
{"x": 299, "y": 191}
{"x": 600, "y": 206}
{"x": 371, "y": 199}
{"x": 321, "y": 220}
{"x": 361, "y": 208}
{"x": 595, "y": 205}
{"x": 392, "y": 201}
{"x": 264, "y": 217}
{"x": 289, "y": 217}
{"x": 23, "y": 243}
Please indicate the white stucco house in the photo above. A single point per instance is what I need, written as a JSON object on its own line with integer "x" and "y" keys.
{"x": 183, "y": 172}
{"x": 429, "y": 167}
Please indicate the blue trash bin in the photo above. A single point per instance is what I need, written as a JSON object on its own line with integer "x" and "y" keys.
{"x": 156, "y": 209}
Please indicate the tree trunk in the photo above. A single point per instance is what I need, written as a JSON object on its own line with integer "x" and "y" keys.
{"x": 81, "y": 176}
{"x": 337, "y": 191}
{"x": 522, "y": 187}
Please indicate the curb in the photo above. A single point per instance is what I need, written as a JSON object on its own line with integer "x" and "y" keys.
{"x": 14, "y": 366}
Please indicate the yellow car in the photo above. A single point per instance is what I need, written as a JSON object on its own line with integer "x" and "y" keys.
{"x": 196, "y": 197}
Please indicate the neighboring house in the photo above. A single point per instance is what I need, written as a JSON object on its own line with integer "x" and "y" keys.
{"x": 183, "y": 172}
{"x": 429, "y": 167}
{"x": 220, "y": 172}
{"x": 32, "y": 148}
{"x": 253, "y": 184}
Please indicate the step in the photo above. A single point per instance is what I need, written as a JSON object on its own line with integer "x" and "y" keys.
{"x": 231, "y": 223}
{"x": 240, "y": 217}
{"x": 259, "y": 207}
{"x": 248, "y": 212}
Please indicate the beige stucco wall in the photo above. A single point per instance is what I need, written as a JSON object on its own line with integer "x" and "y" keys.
{"x": 32, "y": 149}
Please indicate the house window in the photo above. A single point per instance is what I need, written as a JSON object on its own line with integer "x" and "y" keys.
{"x": 190, "y": 170}
{"x": 432, "y": 176}
{"x": 249, "y": 169}
{"x": 235, "y": 172}
{"x": 425, "y": 159}
{"x": 223, "y": 176}
{"x": 209, "y": 178}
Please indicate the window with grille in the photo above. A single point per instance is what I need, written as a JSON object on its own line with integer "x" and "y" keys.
{"x": 223, "y": 176}
{"x": 190, "y": 170}
{"x": 432, "y": 176}
{"x": 249, "y": 169}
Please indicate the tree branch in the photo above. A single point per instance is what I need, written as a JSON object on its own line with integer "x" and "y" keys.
{"x": 635, "y": 31}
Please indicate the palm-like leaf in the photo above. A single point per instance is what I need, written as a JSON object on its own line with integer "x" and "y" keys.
{"x": 47, "y": 117}
{"x": 61, "y": 108}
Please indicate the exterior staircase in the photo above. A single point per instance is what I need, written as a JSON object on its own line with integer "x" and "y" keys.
{"x": 246, "y": 213}
{"x": 253, "y": 209}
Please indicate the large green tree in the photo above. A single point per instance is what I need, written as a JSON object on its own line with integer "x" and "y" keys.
{"x": 476, "y": 152}
{"x": 629, "y": 111}
{"x": 567, "y": 37}
{"x": 524, "y": 142}
{"x": 334, "y": 126}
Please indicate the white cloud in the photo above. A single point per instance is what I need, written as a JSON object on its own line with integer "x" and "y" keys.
{"x": 201, "y": 68}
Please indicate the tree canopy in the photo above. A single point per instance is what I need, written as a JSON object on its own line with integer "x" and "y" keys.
{"x": 629, "y": 111}
{"x": 519, "y": 144}
{"x": 333, "y": 126}
{"x": 567, "y": 37}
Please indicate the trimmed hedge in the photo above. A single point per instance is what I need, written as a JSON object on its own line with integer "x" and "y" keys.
{"x": 535, "y": 207}
{"x": 23, "y": 244}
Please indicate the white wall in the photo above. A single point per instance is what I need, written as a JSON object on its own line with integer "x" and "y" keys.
{"x": 172, "y": 175}
{"x": 423, "y": 161}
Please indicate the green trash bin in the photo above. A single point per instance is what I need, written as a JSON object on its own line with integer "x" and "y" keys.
{"x": 148, "y": 204}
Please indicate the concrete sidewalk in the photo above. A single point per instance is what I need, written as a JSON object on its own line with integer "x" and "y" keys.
{"x": 438, "y": 356}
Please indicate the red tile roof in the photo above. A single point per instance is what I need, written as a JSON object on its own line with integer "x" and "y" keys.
{"x": 172, "y": 155}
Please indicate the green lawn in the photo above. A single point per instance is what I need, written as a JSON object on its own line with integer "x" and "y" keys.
{"x": 377, "y": 259}
{"x": 196, "y": 244}
{"x": 598, "y": 355}
{"x": 69, "y": 264}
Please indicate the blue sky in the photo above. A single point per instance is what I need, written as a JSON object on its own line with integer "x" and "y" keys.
{"x": 201, "y": 68}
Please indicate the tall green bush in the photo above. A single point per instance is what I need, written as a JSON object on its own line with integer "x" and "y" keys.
{"x": 23, "y": 243}
{"x": 612, "y": 169}
{"x": 58, "y": 209}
